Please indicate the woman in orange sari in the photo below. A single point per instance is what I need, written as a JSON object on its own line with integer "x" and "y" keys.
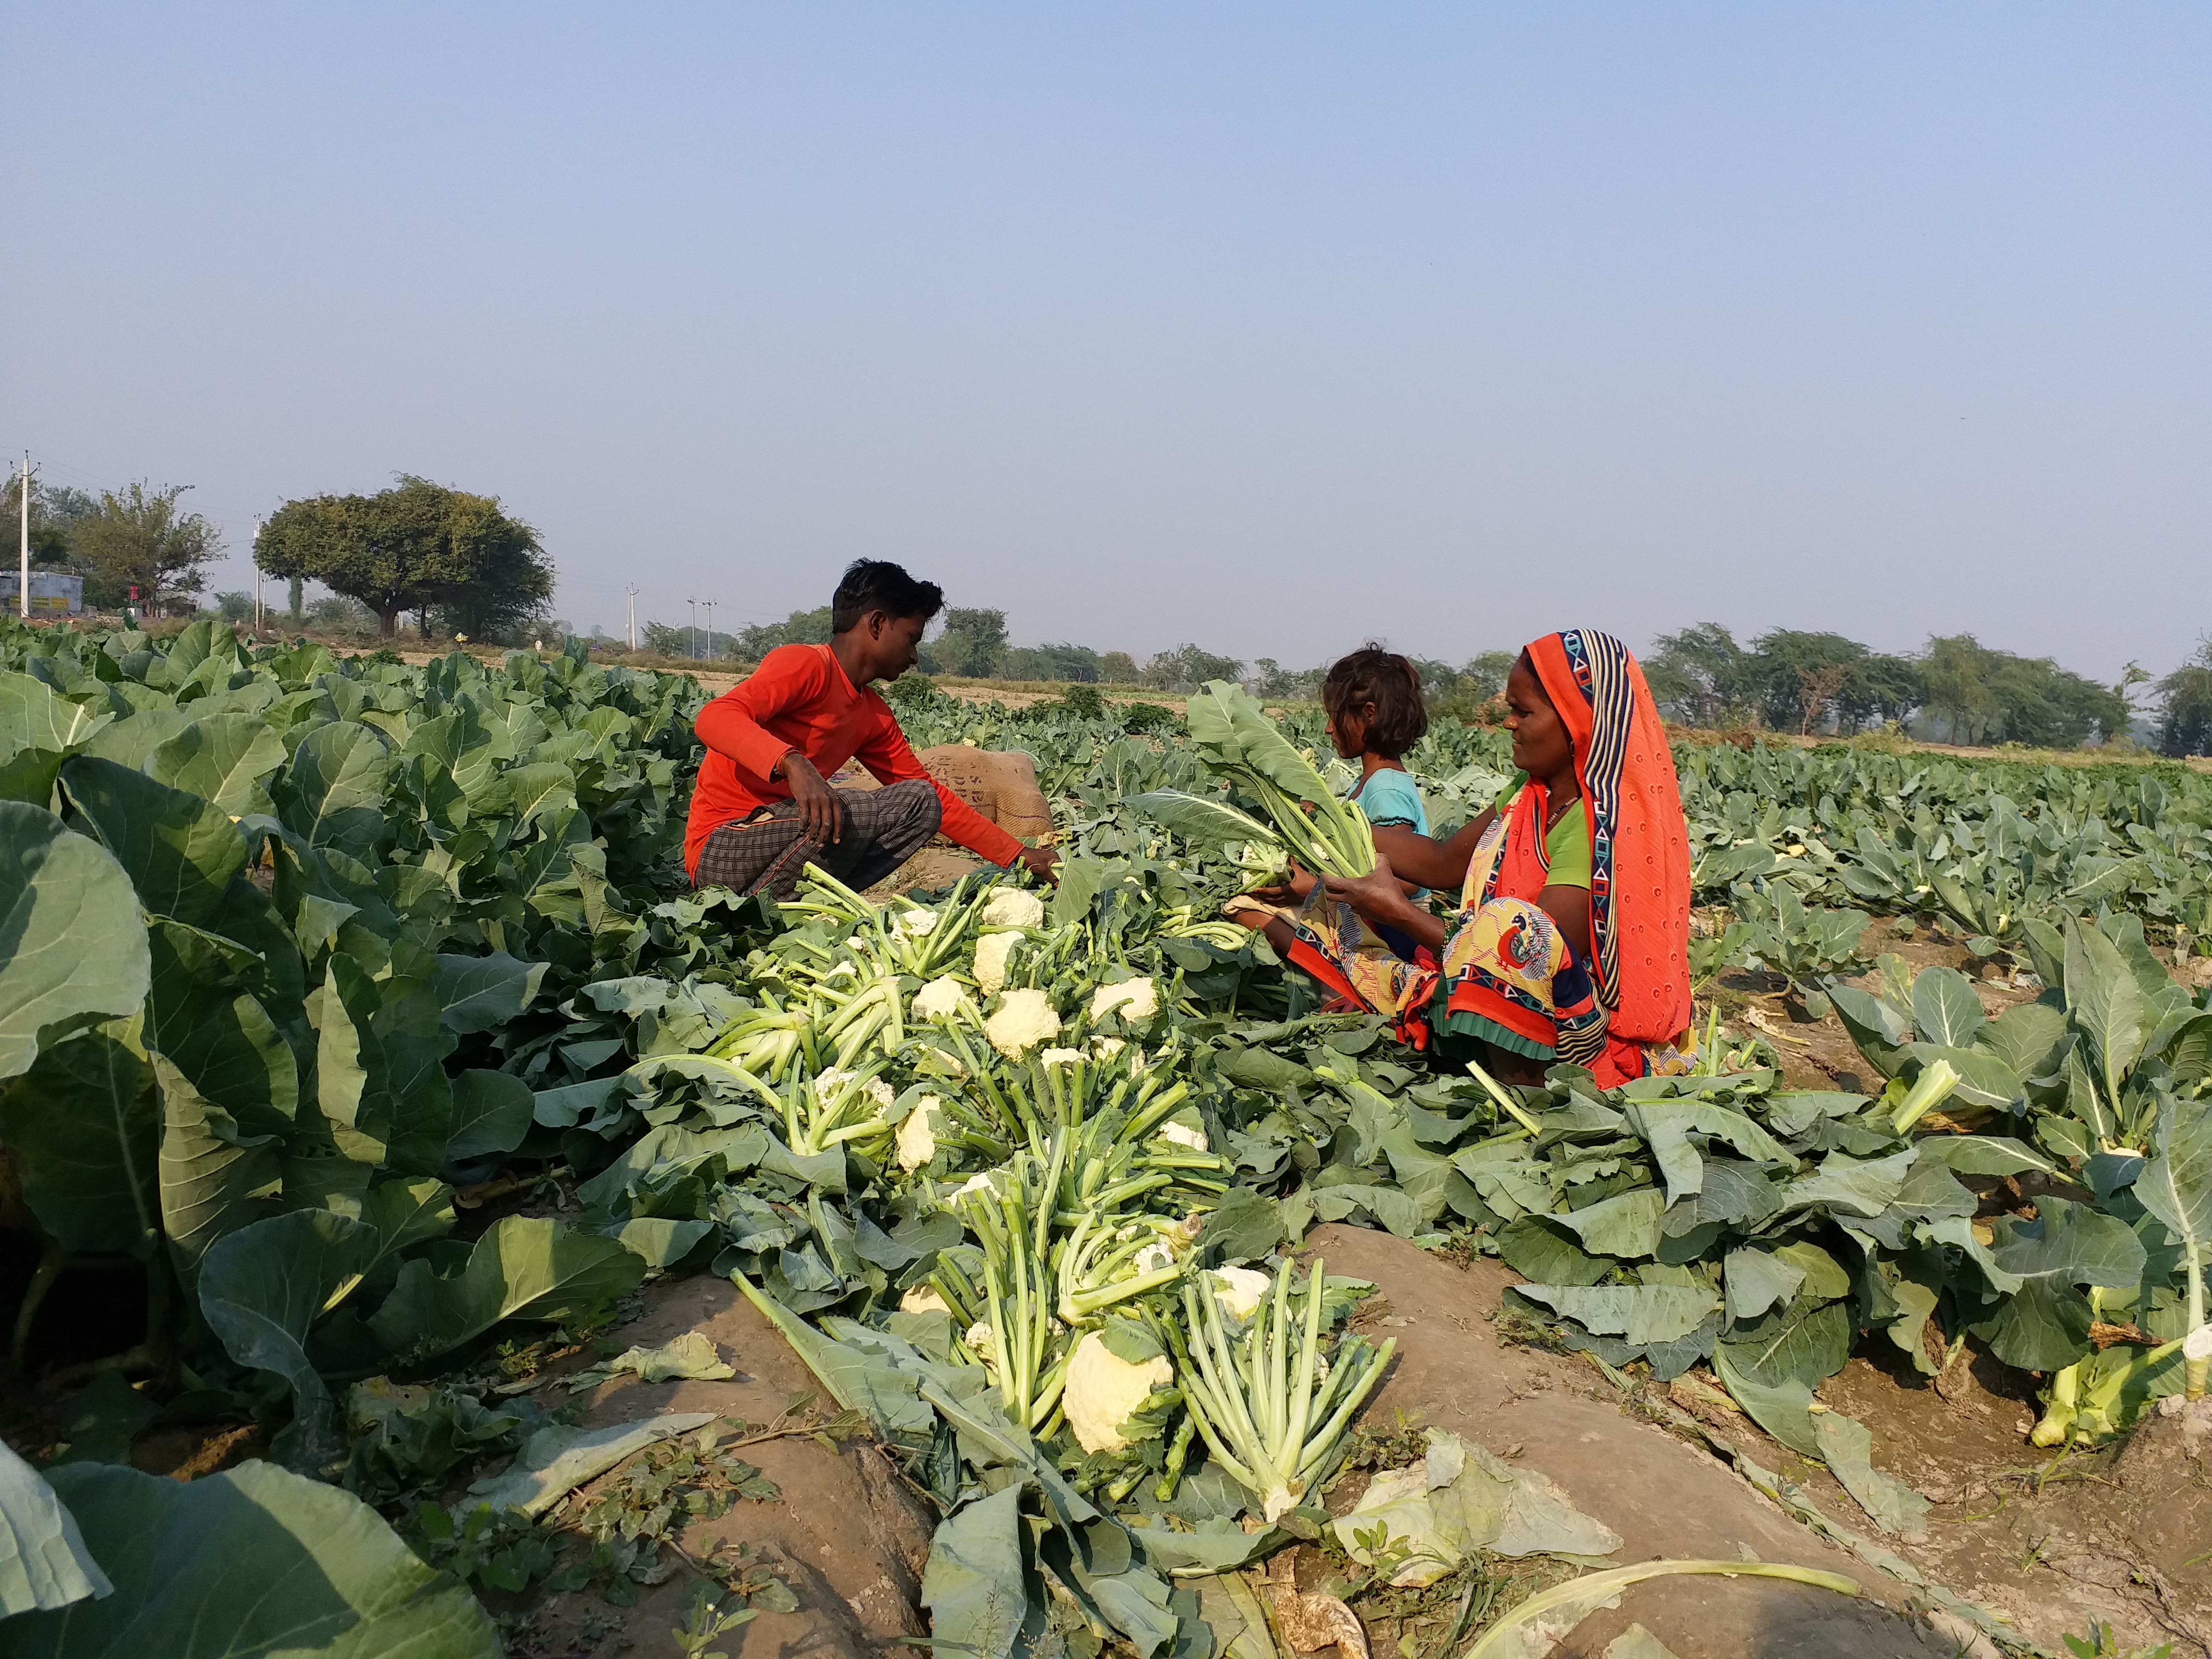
{"x": 1572, "y": 942}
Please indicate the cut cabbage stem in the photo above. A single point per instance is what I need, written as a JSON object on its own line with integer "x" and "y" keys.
{"x": 1255, "y": 1401}
{"x": 1512, "y": 1108}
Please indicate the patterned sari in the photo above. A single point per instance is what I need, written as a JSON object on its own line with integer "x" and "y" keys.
{"x": 1506, "y": 977}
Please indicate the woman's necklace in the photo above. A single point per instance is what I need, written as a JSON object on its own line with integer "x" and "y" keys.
{"x": 1556, "y": 809}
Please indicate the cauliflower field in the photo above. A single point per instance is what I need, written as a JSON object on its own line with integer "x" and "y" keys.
{"x": 361, "y": 1014}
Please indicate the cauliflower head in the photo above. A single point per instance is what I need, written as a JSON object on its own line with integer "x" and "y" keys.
{"x": 1013, "y": 906}
{"x": 917, "y": 1134}
{"x": 1063, "y": 1057}
{"x": 1103, "y": 1390}
{"x": 1132, "y": 999}
{"x": 1182, "y": 1135}
{"x": 1239, "y": 1290}
{"x": 991, "y": 953}
{"x": 923, "y": 1298}
{"x": 1023, "y": 1019}
{"x": 940, "y": 999}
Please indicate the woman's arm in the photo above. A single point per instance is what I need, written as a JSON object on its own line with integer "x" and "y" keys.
{"x": 1380, "y": 899}
{"x": 1427, "y": 862}
{"x": 1569, "y": 906}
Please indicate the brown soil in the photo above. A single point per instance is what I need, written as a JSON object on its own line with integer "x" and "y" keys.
{"x": 849, "y": 1536}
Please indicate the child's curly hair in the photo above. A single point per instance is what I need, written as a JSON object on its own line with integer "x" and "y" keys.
{"x": 1392, "y": 684}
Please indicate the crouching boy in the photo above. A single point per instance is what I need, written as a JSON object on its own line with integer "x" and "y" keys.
{"x": 762, "y": 809}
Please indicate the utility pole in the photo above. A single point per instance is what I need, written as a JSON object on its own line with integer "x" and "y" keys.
{"x": 633, "y": 615}
{"x": 694, "y": 604}
{"x": 709, "y": 604}
{"x": 254, "y": 552}
{"x": 23, "y": 519}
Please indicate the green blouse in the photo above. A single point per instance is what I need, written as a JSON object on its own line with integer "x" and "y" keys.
{"x": 1567, "y": 843}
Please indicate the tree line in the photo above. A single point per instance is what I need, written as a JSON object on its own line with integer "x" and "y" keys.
{"x": 139, "y": 537}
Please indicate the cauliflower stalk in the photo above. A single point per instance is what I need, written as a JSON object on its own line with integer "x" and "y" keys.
{"x": 1112, "y": 1376}
{"x": 1023, "y": 1019}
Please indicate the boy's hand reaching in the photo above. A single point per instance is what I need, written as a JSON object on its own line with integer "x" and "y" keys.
{"x": 1043, "y": 863}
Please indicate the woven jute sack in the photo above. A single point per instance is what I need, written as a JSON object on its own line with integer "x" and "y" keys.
{"x": 1001, "y": 784}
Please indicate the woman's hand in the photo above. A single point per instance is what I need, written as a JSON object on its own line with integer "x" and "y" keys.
{"x": 1378, "y": 896}
{"x": 1292, "y": 890}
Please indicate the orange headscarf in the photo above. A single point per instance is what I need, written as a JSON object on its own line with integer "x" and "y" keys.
{"x": 1639, "y": 839}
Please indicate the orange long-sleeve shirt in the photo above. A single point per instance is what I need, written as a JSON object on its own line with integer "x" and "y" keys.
{"x": 801, "y": 698}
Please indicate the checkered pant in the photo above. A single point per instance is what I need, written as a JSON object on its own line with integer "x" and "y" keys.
{"x": 765, "y": 853}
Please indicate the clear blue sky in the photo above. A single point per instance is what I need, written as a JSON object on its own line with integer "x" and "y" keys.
{"x": 1265, "y": 325}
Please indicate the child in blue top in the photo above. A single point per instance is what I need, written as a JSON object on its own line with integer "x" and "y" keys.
{"x": 1376, "y": 714}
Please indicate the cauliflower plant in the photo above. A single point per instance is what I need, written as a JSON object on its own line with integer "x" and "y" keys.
{"x": 1240, "y": 1290}
{"x": 991, "y": 953}
{"x": 916, "y": 923}
{"x": 1013, "y": 906}
{"x": 1024, "y": 1019}
{"x": 1104, "y": 1390}
{"x": 940, "y": 999}
{"x": 829, "y": 1082}
{"x": 917, "y": 1134}
{"x": 1133, "y": 998}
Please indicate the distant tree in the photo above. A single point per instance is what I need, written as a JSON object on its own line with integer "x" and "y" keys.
{"x": 416, "y": 544}
{"x": 1119, "y": 668}
{"x": 799, "y": 628}
{"x": 1484, "y": 675}
{"x": 55, "y": 514}
{"x": 1187, "y": 668}
{"x": 1959, "y": 672}
{"x": 1701, "y": 675}
{"x": 1983, "y": 696}
{"x": 138, "y": 536}
{"x": 1271, "y": 679}
{"x": 972, "y": 643}
{"x": 2185, "y": 725}
{"x": 235, "y": 607}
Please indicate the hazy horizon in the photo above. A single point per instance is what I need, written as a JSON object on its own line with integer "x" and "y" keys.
{"x": 1266, "y": 328}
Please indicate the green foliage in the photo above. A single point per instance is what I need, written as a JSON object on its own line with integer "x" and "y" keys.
{"x": 141, "y": 537}
{"x": 418, "y": 545}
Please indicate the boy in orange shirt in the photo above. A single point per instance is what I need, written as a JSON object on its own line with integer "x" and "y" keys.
{"x": 762, "y": 809}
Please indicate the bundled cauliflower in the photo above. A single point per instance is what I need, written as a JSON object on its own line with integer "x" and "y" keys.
{"x": 1023, "y": 1019}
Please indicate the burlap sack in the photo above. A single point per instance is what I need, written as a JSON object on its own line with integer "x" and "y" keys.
{"x": 1000, "y": 784}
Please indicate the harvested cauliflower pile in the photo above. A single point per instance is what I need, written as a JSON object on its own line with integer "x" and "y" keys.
{"x": 1013, "y": 906}
{"x": 1104, "y": 1390}
{"x": 1024, "y": 1019}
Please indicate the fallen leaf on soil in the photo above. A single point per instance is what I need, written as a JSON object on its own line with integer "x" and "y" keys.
{"x": 690, "y": 1356}
{"x": 557, "y": 1460}
{"x": 1310, "y": 1621}
{"x": 1638, "y": 1643}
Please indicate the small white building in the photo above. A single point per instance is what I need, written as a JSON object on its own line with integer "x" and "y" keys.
{"x": 53, "y": 594}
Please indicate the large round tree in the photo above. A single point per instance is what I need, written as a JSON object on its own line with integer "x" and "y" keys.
{"x": 414, "y": 547}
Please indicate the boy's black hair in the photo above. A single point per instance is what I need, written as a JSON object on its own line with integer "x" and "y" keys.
{"x": 1388, "y": 681}
{"x": 878, "y": 585}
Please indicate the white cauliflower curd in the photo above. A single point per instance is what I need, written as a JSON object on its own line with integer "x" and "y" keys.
{"x": 1103, "y": 1390}
{"x": 1239, "y": 1290}
{"x": 917, "y": 1134}
{"x": 991, "y": 953}
{"x": 1013, "y": 906}
{"x": 1024, "y": 1019}
{"x": 1132, "y": 999}
{"x": 939, "y": 999}
{"x": 923, "y": 1298}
